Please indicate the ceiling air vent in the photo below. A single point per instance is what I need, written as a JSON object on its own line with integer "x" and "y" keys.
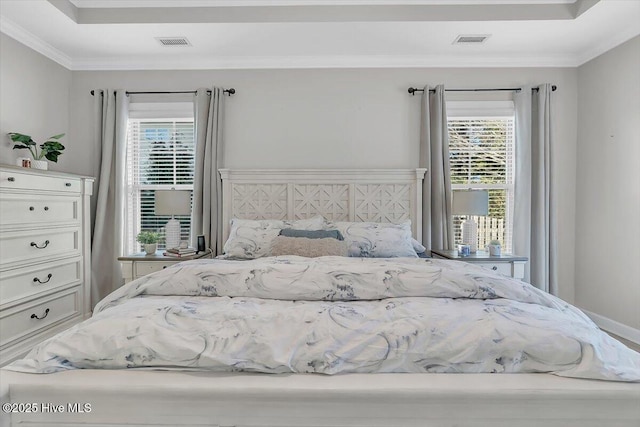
{"x": 471, "y": 39}
{"x": 173, "y": 41}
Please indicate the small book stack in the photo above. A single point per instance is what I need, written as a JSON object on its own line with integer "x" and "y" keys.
{"x": 180, "y": 252}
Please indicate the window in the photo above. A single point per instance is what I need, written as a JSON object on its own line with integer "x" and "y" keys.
{"x": 160, "y": 156}
{"x": 481, "y": 152}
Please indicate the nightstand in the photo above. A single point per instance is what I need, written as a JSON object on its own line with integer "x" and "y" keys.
{"x": 505, "y": 264}
{"x": 137, "y": 265}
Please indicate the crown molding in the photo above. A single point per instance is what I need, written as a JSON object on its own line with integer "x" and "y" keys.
{"x": 623, "y": 36}
{"x": 300, "y": 62}
{"x": 18, "y": 33}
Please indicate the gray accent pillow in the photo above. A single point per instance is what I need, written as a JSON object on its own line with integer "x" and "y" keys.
{"x": 311, "y": 248}
{"x": 312, "y": 234}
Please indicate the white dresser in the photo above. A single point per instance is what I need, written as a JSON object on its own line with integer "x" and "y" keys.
{"x": 45, "y": 256}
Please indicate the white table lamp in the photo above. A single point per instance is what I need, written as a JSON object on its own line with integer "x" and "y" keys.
{"x": 470, "y": 202}
{"x": 173, "y": 202}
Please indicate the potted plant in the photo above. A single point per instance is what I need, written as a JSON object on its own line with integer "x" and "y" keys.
{"x": 494, "y": 248}
{"x": 150, "y": 241}
{"x": 50, "y": 149}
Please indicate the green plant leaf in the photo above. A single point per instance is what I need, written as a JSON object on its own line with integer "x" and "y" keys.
{"x": 52, "y": 156}
{"x": 57, "y": 136}
{"x": 19, "y": 137}
{"x": 52, "y": 145}
{"x": 147, "y": 237}
{"x": 20, "y": 147}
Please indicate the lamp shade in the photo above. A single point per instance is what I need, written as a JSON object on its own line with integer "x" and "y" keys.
{"x": 173, "y": 202}
{"x": 470, "y": 202}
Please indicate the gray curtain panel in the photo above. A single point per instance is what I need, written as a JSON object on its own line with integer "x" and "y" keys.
{"x": 534, "y": 228}
{"x": 111, "y": 114}
{"x": 206, "y": 217}
{"x": 437, "y": 220}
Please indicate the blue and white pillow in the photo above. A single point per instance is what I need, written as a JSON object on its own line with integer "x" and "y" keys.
{"x": 250, "y": 239}
{"x": 377, "y": 240}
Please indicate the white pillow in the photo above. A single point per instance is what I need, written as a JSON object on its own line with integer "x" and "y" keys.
{"x": 377, "y": 240}
{"x": 417, "y": 246}
{"x": 251, "y": 239}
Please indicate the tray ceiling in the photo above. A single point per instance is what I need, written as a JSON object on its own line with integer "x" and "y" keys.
{"x": 120, "y": 34}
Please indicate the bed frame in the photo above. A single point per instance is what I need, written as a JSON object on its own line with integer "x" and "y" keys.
{"x": 355, "y": 195}
{"x": 189, "y": 398}
{"x": 172, "y": 398}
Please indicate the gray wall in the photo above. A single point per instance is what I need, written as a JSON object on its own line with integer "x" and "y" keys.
{"x": 34, "y": 99}
{"x": 608, "y": 185}
{"x": 341, "y": 118}
{"x": 327, "y": 119}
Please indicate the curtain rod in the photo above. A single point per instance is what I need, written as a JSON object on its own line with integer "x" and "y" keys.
{"x": 230, "y": 92}
{"x": 413, "y": 90}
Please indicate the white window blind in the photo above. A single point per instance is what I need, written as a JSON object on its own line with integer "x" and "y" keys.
{"x": 160, "y": 156}
{"x": 481, "y": 151}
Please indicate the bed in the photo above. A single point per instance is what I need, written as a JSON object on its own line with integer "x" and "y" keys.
{"x": 294, "y": 341}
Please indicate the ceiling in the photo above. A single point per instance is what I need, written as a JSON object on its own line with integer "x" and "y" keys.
{"x": 228, "y": 34}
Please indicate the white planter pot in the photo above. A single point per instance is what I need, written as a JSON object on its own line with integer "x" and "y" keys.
{"x": 151, "y": 248}
{"x": 40, "y": 164}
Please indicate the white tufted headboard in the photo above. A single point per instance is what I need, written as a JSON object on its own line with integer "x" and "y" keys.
{"x": 375, "y": 195}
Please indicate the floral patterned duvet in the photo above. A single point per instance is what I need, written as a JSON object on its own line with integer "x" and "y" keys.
{"x": 333, "y": 315}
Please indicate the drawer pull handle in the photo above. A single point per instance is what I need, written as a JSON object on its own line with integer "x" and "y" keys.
{"x": 11, "y": 179}
{"x": 494, "y": 268}
{"x": 67, "y": 184}
{"x": 31, "y": 208}
{"x": 46, "y": 208}
{"x": 46, "y": 243}
{"x": 49, "y": 276}
{"x": 164, "y": 266}
{"x": 35, "y": 316}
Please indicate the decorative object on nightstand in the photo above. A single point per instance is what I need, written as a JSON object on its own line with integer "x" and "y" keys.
{"x": 470, "y": 202}
{"x": 505, "y": 264}
{"x": 182, "y": 251}
{"x": 494, "y": 248}
{"x": 150, "y": 241}
{"x": 173, "y": 202}
{"x": 464, "y": 250}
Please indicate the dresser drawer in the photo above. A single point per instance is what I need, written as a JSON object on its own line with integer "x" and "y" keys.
{"x": 21, "y": 211}
{"x": 24, "y": 248}
{"x": 30, "y": 281}
{"x": 25, "y": 181}
{"x": 37, "y": 315}
{"x": 503, "y": 268}
{"x": 143, "y": 268}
